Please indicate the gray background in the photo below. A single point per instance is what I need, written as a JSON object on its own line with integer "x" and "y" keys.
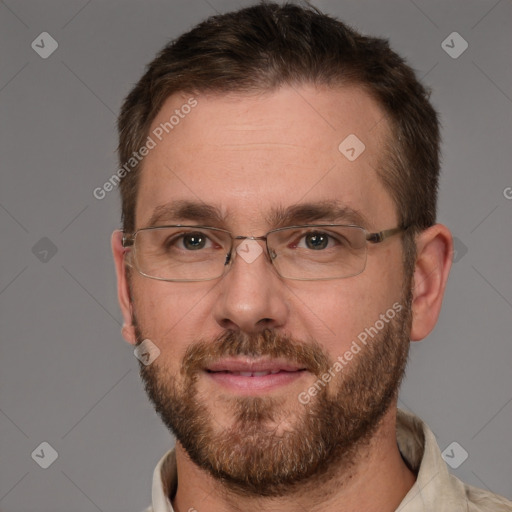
{"x": 69, "y": 379}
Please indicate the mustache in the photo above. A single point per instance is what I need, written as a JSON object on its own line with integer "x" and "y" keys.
{"x": 267, "y": 343}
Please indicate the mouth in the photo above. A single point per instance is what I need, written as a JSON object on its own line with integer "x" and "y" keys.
{"x": 249, "y": 374}
{"x": 246, "y": 376}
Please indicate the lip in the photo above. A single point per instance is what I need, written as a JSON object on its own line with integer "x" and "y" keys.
{"x": 253, "y": 365}
{"x": 252, "y": 376}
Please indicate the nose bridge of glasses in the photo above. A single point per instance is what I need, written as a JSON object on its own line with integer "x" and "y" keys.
{"x": 242, "y": 238}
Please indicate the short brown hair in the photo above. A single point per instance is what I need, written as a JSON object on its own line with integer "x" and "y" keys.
{"x": 263, "y": 47}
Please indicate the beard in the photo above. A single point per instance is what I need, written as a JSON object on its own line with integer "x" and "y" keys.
{"x": 269, "y": 446}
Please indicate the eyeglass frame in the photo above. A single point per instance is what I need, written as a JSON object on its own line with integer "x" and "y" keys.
{"x": 374, "y": 238}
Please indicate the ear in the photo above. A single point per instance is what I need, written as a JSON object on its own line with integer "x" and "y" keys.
{"x": 433, "y": 263}
{"x": 123, "y": 287}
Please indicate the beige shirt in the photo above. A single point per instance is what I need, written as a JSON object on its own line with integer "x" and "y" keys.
{"x": 435, "y": 489}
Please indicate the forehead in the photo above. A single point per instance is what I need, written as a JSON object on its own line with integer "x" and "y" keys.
{"x": 250, "y": 156}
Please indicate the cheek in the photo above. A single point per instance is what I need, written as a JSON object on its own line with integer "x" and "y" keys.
{"x": 166, "y": 314}
{"x": 328, "y": 312}
{"x": 344, "y": 309}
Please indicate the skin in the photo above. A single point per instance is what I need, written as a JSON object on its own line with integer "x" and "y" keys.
{"x": 246, "y": 154}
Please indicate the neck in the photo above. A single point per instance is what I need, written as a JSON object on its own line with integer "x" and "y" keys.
{"x": 376, "y": 481}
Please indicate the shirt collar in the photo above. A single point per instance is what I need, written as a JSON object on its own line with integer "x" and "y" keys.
{"x": 435, "y": 488}
{"x": 165, "y": 483}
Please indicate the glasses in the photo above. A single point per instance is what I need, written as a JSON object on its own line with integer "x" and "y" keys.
{"x": 203, "y": 253}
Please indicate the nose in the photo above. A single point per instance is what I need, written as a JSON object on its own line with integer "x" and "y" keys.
{"x": 251, "y": 295}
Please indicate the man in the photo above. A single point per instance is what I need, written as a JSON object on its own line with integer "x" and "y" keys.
{"x": 279, "y": 251}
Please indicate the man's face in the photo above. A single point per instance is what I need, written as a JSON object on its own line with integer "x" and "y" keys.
{"x": 248, "y": 156}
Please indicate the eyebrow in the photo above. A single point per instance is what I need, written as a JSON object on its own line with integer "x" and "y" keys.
{"x": 329, "y": 211}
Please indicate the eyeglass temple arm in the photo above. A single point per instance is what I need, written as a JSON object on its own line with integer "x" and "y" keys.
{"x": 127, "y": 241}
{"x": 376, "y": 238}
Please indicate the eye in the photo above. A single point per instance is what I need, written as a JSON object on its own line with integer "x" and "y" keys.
{"x": 190, "y": 241}
{"x": 194, "y": 241}
{"x": 316, "y": 241}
